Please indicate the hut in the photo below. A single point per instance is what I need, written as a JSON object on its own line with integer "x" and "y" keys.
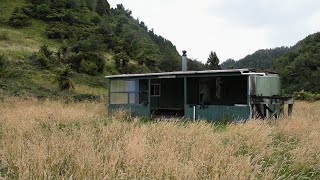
{"x": 236, "y": 94}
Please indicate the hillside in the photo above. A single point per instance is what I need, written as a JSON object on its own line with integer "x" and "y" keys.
{"x": 64, "y": 48}
{"x": 300, "y": 68}
{"x": 41, "y": 39}
{"x": 261, "y": 59}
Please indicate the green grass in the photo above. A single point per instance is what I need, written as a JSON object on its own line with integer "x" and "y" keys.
{"x": 21, "y": 43}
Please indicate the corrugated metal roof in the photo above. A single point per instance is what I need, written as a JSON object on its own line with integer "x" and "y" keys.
{"x": 181, "y": 73}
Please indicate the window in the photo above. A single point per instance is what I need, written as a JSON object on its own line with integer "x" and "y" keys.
{"x": 124, "y": 92}
{"x": 118, "y": 98}
{"x": 155, "y": 90}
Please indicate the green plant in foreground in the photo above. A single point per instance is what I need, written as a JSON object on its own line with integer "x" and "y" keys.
{"x": 64, "y": 79}
{"x": 2, "y": 61}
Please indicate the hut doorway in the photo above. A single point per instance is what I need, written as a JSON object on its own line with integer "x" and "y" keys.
{"x": 167, "y": 97}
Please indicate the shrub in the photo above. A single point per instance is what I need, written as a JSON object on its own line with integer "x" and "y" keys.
{"x": 70, "y": 17}
{"x": 45, "y": 50}
{"x": 89, "y": 62}
{"x": 45, "y": 58}
{"x": 306, "y": 96}
{"x": 96, "y": 19}
{"x": 2, "y": 61}
{"x": 88, "y": 67}
{"x": 86, "y": 97}
{"x": 38, "y": 1}
{"x": 136, "y": 69}
{"x": 4, "y": 36}
{"x": 43, "y": 10}
{"x": 59, "y": 31}
{"x": 41, "y": 60}
{"x": 92, "y": 43}
{"x": 64, "y": 79}
{"x": 19, "y": 18}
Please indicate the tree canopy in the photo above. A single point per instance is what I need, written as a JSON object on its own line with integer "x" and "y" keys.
{"x": 213, "y": 61}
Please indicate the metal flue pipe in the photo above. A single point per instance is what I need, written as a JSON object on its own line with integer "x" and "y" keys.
{"x": 184, "y": 61}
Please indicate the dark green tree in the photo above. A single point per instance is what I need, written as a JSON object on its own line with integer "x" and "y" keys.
{"x": 213, "y": 61}
{"x": 64, "y": 79}
{"x": 19, "y": 18}
{"x": 102, "y": 7}
{"x": 195, "y": 65}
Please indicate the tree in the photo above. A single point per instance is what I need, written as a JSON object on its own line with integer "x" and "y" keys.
{"x": 121, "y": 61}
{"x": 195, "y": 65}
{"x": 64, "y": 79}
{"x": 213, "y": 61}
{"x": 19, "y": 18}
{"x": 102, "y": 7}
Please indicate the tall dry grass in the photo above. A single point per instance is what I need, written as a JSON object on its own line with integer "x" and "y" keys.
{"x": 53, "y": 140}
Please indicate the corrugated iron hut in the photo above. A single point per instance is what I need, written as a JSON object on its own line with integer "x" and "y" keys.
{"x": 237, "y": 94}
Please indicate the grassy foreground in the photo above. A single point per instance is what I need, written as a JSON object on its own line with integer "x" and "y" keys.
{"x": 53, "y": 140}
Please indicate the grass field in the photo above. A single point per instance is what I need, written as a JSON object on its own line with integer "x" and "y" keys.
{"x": 54, "y": 140}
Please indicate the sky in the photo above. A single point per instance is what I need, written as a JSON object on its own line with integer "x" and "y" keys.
{"x": 231, "y": 28}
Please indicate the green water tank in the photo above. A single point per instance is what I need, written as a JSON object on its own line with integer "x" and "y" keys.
{"x": 268, "y": 85}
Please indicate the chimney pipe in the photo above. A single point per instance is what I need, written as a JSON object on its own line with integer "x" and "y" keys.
{"x": 184, "y": 61}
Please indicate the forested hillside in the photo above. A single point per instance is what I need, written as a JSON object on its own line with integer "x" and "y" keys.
{"x": 82, "y": 40}
{"x": 300, "y": 68}
{"x": 64, "y": 48}
{"x": 261, "y": 59}
{"x": 90, "y": 26}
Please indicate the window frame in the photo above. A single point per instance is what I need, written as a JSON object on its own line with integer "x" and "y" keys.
{"x": 153, "y": 93}
{"x": 127, "y": 93}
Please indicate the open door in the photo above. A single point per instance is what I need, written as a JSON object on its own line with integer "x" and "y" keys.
{"x": 167, "y": 97}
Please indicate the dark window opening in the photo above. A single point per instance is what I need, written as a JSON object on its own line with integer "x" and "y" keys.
{"x": 143, "y": 91}
{"x": 155, "y": 89}
{"x": 167, "y": 97}
{"x": 229, "y": 91}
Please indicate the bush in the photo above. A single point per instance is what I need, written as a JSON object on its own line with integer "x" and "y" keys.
{"x": 89, "y": 62}
{"x": 96, "y": 19}
{"x": 59, "y": 31}
{"x": 136, "y": 69}
{"x": 4, "y": 36}
{"x": 38, "y": 1}
{"x": 88, "y": 67}
{"x": 19, "y": 18}
{"x": 86, "y": 97}
{"x": 306, "y": 96}
{"x": 45, "y": 58}
{"x": 64, "y": 79}
{"x": 45, "y": 50}
{"x": 2, "y": 61}
{"x": 43, "y": 10}
{"x": 91, "y": 44}
{"x": 41, "y": 60}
